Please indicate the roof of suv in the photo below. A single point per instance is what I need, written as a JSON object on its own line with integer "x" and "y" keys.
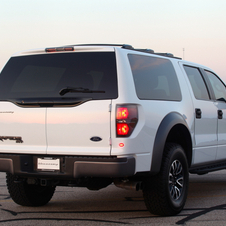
{"x": 95, "y": 46}
{"x": 130, "y": 47}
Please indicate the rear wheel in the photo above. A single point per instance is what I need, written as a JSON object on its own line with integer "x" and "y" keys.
{"x": 166, "y": 193}
{"x": 28, "y": 194}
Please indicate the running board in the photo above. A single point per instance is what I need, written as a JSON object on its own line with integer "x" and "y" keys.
{"x": 203, "y": 169}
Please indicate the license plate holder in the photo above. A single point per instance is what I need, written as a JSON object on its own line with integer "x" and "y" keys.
{"x": 48, "y": 164}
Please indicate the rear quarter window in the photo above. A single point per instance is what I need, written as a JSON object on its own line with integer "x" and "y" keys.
{"x": 154, "y": 78}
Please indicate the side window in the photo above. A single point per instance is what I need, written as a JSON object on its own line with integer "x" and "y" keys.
{"x": 197, "y": 83}
{"x": 154, "y": 78}
{"x": 218, "y": 87}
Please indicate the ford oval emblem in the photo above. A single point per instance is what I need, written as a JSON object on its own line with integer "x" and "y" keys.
{"x": 95, "y": 139}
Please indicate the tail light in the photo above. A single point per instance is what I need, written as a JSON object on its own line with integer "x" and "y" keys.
{"x": 126, "y": 120}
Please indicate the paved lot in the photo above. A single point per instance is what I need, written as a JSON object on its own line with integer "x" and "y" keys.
{"x": 206, "y": 205}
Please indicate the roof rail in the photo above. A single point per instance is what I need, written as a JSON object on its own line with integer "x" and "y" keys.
{"x": 165, "y": 54}
{"x": 145, "y": 50}
{"x": 127, "y": 46}
{"x": 122, "y": 45}
{"x": 151, "y": 51}
{"x": 168, "y": 55}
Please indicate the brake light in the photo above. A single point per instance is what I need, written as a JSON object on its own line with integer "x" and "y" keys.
{"x": 122, "y": 113}
{"x": 50, "y": 50}
{"x": 122, "y": 129}
{"x": 126, "y": 120}
{"x": 59, "y": 49}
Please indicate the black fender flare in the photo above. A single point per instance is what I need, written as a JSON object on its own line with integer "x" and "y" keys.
{"x": 168, "y": 122}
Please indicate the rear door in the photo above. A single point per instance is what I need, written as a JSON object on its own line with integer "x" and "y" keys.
{"x": 22, "y": 127}
{"x": 83, "y": 127}
{"x": 219, "y": 92}
{"x": 205, "y": 124}
{"x": 59, "y": 98}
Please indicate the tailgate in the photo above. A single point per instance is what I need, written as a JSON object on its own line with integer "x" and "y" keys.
{"x": 81, "y": 130}
{"x": 60, "y": 101}
{"x": 22, "y": 130}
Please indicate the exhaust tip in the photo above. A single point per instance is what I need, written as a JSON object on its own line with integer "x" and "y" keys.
{"x": 129, "y": 185}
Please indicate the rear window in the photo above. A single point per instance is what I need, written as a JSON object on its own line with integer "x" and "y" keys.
{"x": 44, "y": 76}
{"x": 154, "y": 78}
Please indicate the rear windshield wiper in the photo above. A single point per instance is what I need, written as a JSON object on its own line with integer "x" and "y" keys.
{"x": 78, "y": 90}
{"x": 49, "y": 102}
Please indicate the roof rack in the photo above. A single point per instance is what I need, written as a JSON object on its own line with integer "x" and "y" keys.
{"x": 146, "y": 50}
{"x": 151, "y": 51}
{"x": 165, "y": 54}
{"x": 127, "y": 46}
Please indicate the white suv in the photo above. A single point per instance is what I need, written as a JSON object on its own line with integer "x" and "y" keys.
{"x": 90, "y": 115}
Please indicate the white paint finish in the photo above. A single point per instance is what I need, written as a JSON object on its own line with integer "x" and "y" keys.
{"x": 69, "y": 129}
{"x": 221, "y": 150}
{"x": 221, "y": 122}
{"x": 150, "y": 115}
{"x": 204, "y": 154}
{"x": 205, "y": 132}
{"x": 27, "y": 123}
{"x": 76, "y": 49}
{"x": 206, "y": 127}
{"x": 143, "y": 162}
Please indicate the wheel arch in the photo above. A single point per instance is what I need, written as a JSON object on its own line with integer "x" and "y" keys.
{"x": 174, "y": 129}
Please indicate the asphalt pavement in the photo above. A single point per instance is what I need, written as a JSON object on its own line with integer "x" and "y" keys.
{"x": 206, "y": 205}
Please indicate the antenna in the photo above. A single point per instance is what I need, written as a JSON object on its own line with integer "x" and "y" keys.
{"x": 183, "y": 53}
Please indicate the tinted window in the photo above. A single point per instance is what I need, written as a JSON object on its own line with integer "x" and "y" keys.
{"x": 154, "y": 78}
{"x": 217, "y": 85}
{"x": 45, "y": 75}
{"x": 197, "y": 83}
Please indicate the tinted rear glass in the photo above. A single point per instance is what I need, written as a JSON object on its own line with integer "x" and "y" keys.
{"x": 198, "y": 85}
{"x": 154, "y": 78}
{"x": 45, "y": 75}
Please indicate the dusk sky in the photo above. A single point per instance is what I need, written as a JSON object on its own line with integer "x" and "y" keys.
{"x": 197, "y": 26}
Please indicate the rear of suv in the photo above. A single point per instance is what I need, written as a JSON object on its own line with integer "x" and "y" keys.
{"x": 92, "y": 115}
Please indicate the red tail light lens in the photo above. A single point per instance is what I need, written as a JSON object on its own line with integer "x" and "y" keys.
{"x": 49, "y": 50}
{"x": 122, "y": 113}
{"x": 126, "y": 120}
{"x": 59, "y": 49}
{"x": 122, "y": 129}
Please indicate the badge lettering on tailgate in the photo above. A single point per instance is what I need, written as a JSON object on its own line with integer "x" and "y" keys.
{"x": 17, "y": 139}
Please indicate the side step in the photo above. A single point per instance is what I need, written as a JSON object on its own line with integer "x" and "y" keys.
{"x": 203, "y": 169}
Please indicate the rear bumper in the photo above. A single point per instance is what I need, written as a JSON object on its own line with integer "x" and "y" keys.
{"x": 70, "y": 166}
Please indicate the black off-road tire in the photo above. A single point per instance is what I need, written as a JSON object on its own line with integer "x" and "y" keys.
{"x": 28, "y": 194}
{"x": 165, "y": 194}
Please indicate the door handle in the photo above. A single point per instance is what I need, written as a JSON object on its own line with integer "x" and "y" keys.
{"x": 198, "y": 113}
{"x": 220, "y": 114}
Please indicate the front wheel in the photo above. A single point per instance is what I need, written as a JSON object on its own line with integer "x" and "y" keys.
{"x": 165, "y": 194}
{"x": 28, "y": 194}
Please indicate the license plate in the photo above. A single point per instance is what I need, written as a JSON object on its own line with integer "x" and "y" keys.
{"x": 48, "y": 164}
